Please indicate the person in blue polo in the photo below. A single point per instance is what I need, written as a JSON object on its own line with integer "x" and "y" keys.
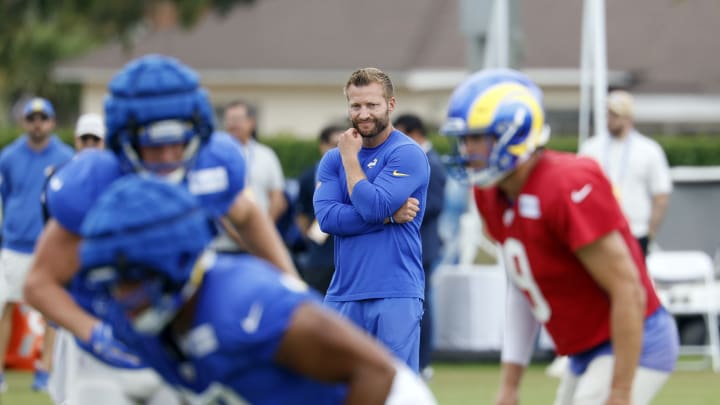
{"x": 24, "y": 164}
{"x": 370, "y": 195}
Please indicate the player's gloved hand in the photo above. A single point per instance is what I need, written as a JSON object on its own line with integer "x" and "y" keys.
{"x": 106, "y": 348}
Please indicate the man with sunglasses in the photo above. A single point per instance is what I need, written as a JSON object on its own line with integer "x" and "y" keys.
{"x": 24, "y": 164}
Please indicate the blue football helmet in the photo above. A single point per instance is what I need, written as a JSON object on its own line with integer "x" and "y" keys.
{"x": 149, "y": 232}
{"x": 503, "y": 106}
{"x": 156, "y": 100}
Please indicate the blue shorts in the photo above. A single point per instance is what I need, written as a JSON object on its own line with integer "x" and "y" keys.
{"x": 395, "y": 322}
{"x": 660, "y": 348}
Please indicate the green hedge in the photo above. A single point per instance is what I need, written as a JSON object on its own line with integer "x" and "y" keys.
{"x": 297, "y": 154}
{"x": 8, "y": 135}
{"x": 695, "y": 150}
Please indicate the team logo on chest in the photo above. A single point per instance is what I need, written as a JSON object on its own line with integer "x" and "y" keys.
{"x": 529, "y": 206}
{"x": 200, "y": 341}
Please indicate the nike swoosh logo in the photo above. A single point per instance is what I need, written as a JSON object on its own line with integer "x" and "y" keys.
{"x": 252, "y": 320}
{"x": 399, "y": 174}
{"x": 578, "y": 195}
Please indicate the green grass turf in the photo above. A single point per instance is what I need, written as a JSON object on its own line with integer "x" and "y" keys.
{"x": 468, "y": 383}
{"x": 19, "y": 392}
{"x": 476, "y": 383}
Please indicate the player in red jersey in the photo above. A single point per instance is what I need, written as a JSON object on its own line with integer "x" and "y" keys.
{"x": 574, "y": 265}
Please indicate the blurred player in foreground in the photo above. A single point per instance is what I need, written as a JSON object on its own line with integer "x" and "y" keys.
{"x": 223, "y": 328}
{"x": 159, "y": 120}
{"x": 567, "y": 248}
{"x": 89, "y": 133}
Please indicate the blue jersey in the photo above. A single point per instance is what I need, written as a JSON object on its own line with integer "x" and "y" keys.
{"x": 373, "y": 260}
{"x": 218, "y": 174}
{"x": 242, "y": 310}
{"x": 216, "y": 177}
{"x": 22, "y": 176}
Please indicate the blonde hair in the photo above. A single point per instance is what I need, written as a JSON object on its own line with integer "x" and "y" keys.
{"x": 366, "y": 76}
{"x": 621, "y": 103}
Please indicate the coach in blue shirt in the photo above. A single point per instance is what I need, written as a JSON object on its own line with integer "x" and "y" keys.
{"x": 370, "y": 195}
{"x": 24, "y": 165}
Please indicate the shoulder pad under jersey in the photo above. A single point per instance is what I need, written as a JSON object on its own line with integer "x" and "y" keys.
{"x": 74, "y": 188}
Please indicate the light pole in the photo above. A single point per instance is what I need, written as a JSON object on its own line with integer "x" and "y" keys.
{"x": 593, "y": 70}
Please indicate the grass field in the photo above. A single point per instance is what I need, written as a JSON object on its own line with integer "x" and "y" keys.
{"x": 469, "y": 383}
{"x": 465, "y": 384}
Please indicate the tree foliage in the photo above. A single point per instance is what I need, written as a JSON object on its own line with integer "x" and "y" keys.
{"x": 36, "y": 34}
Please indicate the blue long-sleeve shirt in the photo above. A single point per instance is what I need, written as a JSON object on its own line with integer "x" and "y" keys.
{"x": 22, "y": 176}
{"x": 372, "y": 259}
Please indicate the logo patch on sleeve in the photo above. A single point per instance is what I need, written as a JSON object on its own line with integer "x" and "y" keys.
{"x": 208, "y": 181}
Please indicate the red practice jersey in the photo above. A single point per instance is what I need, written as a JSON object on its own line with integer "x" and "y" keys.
{"x": 565, "y": 204}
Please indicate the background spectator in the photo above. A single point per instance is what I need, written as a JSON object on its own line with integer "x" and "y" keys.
{"x": 636, "y": 166}
{"x": 432, "y": 244}
{"x": 89, "y": 132}
{"x": 264, "y": 172}
{"x": 317, "y": 262}
{"x": 24, "y": 166}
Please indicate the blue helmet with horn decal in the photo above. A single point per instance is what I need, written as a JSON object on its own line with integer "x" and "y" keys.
{"x": 505, "y": 108}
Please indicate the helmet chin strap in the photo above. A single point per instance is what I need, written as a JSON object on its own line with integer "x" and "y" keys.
{"x": 544, "y": 136}
{"x": 132, "y": 157}
{"x": 485, "y": 178}
{"x": 154, "y": 319}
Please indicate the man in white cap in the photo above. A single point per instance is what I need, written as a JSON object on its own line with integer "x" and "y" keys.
{"x": 636, "y": 166}
{"x": 89, "y": 132}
